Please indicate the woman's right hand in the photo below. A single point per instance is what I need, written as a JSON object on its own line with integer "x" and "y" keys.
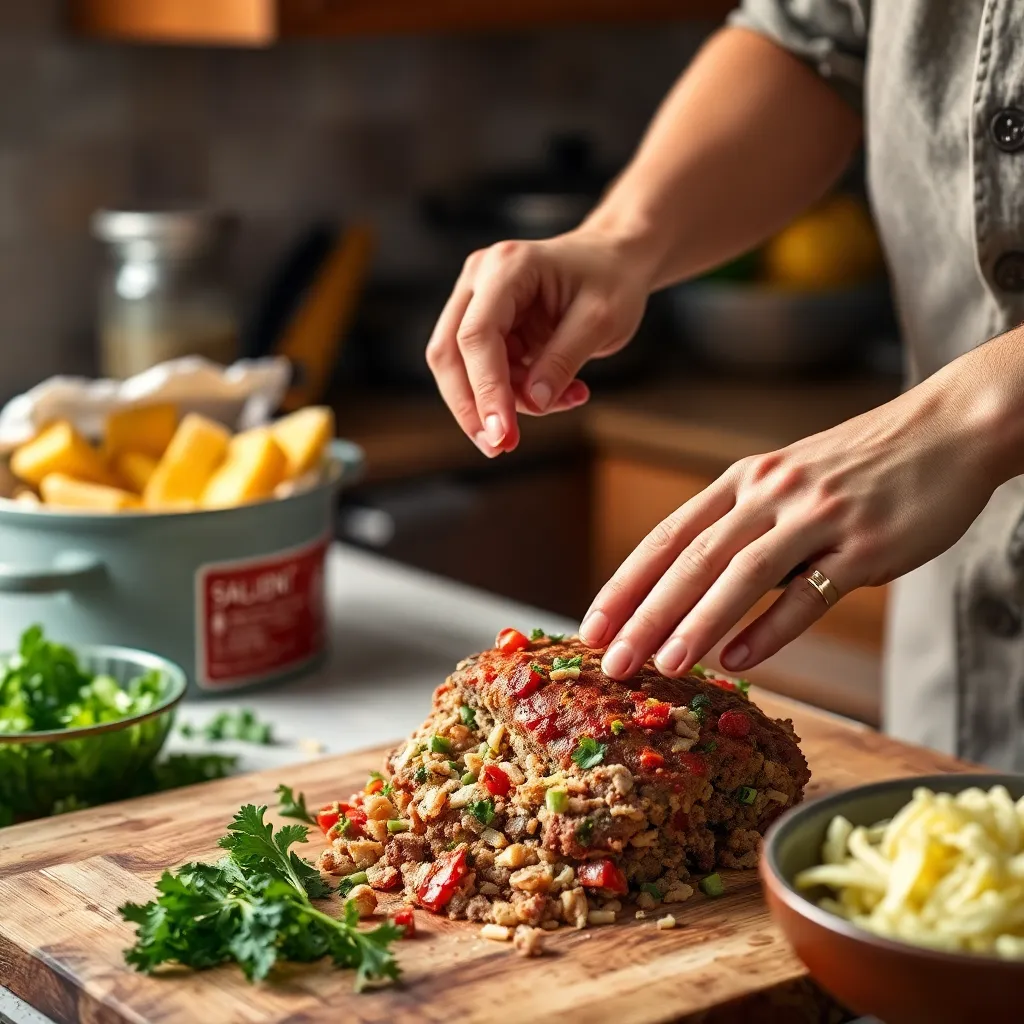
{"x": 522, "y": 320}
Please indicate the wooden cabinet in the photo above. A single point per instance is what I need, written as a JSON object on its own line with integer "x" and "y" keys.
{"x": 630, "y": 496}
{"x": 262, "y": 22}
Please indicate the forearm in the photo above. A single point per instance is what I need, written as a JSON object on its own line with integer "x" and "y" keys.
{"x": 748, "y": 138}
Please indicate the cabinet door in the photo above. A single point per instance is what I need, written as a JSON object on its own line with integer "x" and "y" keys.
{"x": 632, "y": 496}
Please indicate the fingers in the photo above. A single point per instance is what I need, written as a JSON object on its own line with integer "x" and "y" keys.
{"x": 685, "y": 583}
{"x": 639, "y": 573}
{"x": 798, "y": 608}
{"x": 449, "y": 371}
{"x": 752, "y": 572}
{"x": 588, "y": 325}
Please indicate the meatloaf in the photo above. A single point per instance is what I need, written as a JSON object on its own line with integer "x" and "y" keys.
{"x": 538, "y": 785}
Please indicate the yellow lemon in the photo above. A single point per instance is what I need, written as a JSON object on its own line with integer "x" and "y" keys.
{"x": 832, "y": 246}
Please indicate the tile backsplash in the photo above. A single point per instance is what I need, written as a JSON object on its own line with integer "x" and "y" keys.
{"x": 348, "y": 127}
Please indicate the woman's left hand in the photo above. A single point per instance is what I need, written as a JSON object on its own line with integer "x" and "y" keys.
{"x": 862, "y": 503}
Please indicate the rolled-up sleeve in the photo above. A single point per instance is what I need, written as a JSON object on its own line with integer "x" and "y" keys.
{"x": 830, "y": 35}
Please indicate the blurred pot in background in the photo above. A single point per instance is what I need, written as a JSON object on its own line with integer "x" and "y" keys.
{"x": 814, "y": 298}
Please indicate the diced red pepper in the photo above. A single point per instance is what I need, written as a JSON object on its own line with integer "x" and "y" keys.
{"x": 722, "y": 684}
{"x": 405, "y": 920}
{"x": 734, "y": 723}
{"x": 511, "y": 640}
{"x": 374, "y": 786}
{"x": 651, "y": 759}
{"x": 356, "y": 820}
{"x": 447, "y": 872}
{"x": 602, "y": 874}
{"x": 495, "y": 781}
{"x": 637, "y": 696}
{"x": 328, "y": 816}
{"x": 694, "y": 763}
{"x": 681, "y": 821}
{"x": 525, "y": 682}
{"x": 653, "y": 714}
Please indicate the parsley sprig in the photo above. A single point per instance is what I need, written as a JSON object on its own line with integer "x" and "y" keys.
{"x": 291, "y": 805}
{"x": 573, "y": 662}
{"x": 589, "y": 753}
{"x": 253, "y": 908}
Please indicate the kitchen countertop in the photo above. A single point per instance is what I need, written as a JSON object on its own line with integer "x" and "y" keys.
{"x": 705, "y": 423}
{"x": 396, "y": 633}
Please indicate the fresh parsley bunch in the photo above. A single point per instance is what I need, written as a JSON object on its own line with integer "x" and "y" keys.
{"x": 253, "y": 907}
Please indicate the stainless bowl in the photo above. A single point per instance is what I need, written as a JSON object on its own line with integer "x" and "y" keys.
{"x": 761, "y": 329}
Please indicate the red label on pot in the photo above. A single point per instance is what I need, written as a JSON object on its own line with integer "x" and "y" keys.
{"x": 259, "y": 617}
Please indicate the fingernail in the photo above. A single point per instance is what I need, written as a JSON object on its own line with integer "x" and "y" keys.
{"x": 480, "y": 440}
{"x": 671, "y": 657}
{"x": 541, "y": 395}
{"x": 618, "y": 660}
{"x": 735, "y": 657}
{"x": 594, "y": 629}
{"x": 494, "y": 430}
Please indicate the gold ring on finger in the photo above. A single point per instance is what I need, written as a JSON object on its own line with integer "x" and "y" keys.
{"x": 823, "y": 585}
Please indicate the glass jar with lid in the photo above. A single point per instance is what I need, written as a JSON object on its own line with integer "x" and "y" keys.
{"x": 162, "y": 294}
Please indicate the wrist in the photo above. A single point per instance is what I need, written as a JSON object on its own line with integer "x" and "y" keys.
{"x": 635, "y": 239}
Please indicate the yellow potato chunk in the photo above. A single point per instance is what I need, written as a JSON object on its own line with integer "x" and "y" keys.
{"x": 254, "y": 466}
{"x": 193, "y": 456}
{"x": 142, "y": 428}
{"x": 65, "y": 491}
{"x": 135, "y": 469}
{"x": 59, "y": 448}
{"x": 304, "y": 435}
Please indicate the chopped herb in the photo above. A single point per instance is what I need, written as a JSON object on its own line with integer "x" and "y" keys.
{"x": 557, "y": 800}
{"x": 483, "y": 749}
{"x": 574, "y": 662}
{"x": 341, "y": 826}
{"x": 743, "y": 685}
{"x": 378, "y": 776}
{"x": 397, "y": 825}
{"x": 420, "y": 775}
{"x": 454, "y": 765}
{"x": 652, "y": 890}
{"x": 241, "y": 725}
{"x": 349, "y": 882}
{"x": 700, "y": 705}
{"x": 584, "y": 832}
{"x": 440, "y": 745}
{"x": 699, "y": 671}
{"x": 557, "y": 637}
{"x": 589, "y": 753}
{"x": 468, "y": 716}
{"x": 618, "y": 726}
{"x": 292, "y": 806}
{"x": 706, "y": 748}
{"x": 253, "y": 908}
{"x": 537, "y": 634}
{"x": 483, "y": 811}
{"x": 468, "y": 779}
{"x": 746, "y": 795}
{"x": 712, "y": 885}
{"x": 538, "y": 668}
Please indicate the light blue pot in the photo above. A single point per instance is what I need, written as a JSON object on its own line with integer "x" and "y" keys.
{"x": 209, "y": 590}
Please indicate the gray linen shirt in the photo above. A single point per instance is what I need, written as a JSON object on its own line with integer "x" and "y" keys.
{"x": 941, "y": 85}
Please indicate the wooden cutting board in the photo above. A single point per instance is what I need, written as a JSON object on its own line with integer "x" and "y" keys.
{"x": 61, "y": 938}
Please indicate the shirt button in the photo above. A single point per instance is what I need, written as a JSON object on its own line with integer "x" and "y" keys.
{"x": 1009, "y": 272}
{"x": 1000, "y": 618}
{"x": 1008, "y": 129}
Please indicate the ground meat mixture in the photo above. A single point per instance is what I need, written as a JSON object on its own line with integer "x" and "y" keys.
{"x": 538, "y": 792}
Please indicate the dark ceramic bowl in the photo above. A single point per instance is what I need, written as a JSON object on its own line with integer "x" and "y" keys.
{"x": 894, "y": 981}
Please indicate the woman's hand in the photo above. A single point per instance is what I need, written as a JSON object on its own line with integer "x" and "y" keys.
{"x": 863, "y": 503}
{"x": 521, "y": 321}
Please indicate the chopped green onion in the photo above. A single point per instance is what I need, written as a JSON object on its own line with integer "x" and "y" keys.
{"x": 349, "y": 882}
{"x": 483, "y": 811}
{"x": 538, "y": 668}
{"x": 652, "y": 890}
{"x": 746, "y": 795}
{"x": 743, "y": 685}
{"x": 468, "y": 779}
{"x": 584, "y": 832}
{"x": 618, "y": 726}
{"x": 440, "y": 745}
{"x": 468, "y": 716}
{"x": 712, "y": 885}
{"x": 557, "y": 800}
{"x": 699, "y": 671}
{"x": 589, "y": 753}
{"x": 454, "y": 765}
{"x": 421, "y": 775}
{"x": 397, "y": 825}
